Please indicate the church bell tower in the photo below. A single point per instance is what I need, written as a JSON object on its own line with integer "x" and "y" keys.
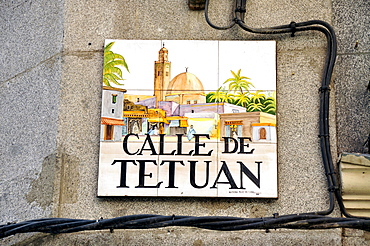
{"x": 162, "y": 75}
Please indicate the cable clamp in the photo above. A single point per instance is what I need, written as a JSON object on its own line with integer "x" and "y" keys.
{"x": 240, "y": 10}
{"x": 293, "y": 26}
{"x": 330, "y": 173}
{"x": 324, "y": 89}
{"x": 263, "y": 220}
{"x": 276, "y": 215}
{"x": 333, "y": 188}
{"x": 173, "y": 219}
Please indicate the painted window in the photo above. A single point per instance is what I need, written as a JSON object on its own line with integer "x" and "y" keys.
{"x": 234, "y": 131}
{"x": 114, "y": 98}
{"x": 108, "y": 134}
{"x": 263, "y": 133}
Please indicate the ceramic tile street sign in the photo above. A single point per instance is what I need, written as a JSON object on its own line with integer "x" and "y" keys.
{"x": 187, "y": 118}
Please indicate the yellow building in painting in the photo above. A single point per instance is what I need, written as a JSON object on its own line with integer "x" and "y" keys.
{"x": 162, "y": 75}
{"x": 259, "y": 126}
{"x": 185, "y": 88}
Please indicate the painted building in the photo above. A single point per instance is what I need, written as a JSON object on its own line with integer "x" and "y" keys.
{"x": 162, "y": 75}
{"x": 135, "y": 117}
{"x": 264, "y": 132}
{"x": 249, "y": 124}
{"x": 112, "y": 108}
{"x": 185, "y": 88}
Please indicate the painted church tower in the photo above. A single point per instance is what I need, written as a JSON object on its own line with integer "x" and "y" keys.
{"x": 162, "y": 75}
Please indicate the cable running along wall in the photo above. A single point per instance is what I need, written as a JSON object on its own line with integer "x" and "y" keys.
{"x": 311, "y": 220}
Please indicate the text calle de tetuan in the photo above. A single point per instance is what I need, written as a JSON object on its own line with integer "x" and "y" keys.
{"x": 231, "y": 146}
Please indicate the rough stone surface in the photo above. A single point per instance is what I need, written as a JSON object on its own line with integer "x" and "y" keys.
{"x": 351, "y": 22}
{"x": 50, "y": 114}
{"x": 28, "y": 139}
{"x": 31, "y": 37}
{"x": 31, "y": 32}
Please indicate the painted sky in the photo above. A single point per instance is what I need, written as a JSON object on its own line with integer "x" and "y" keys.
{"x": 210, "y": 61}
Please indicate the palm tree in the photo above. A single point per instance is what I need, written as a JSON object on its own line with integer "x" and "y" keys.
{"x": 238, "y": 82}
{"x": 229, "y": 97}
{"x": 270, "y": 104}
{"x": 221, "y": 95}
{"x": 217, "y": 96}
{"x": 209, "y": 97}
{"x": 253, "y": 107}
{"x": 242, "y": 99}
{"x": 112, "y": 72}
{"x": 257, "y": 97}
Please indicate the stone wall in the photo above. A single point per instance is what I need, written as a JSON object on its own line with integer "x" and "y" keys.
{"x": 31, "y": 57}
{"x": 52, "y": 56}
{"x": 351, "y": 23}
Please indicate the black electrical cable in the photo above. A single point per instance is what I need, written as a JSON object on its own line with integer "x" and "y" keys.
{"x": 326, "y": 29}
{"x": 309, "y": 221}
{"x": 146, "y": 221}
{"x": 324, "y": 105}
{"x": 324, "y": 98}
{"x": 214, "y": 26}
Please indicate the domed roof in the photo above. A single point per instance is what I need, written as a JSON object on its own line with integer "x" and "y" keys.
{"x": 163, "y": 49}
{"x": 185, "y": 83}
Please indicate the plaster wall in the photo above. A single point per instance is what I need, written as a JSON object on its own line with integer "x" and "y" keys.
{"x": 52, "y": 54}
